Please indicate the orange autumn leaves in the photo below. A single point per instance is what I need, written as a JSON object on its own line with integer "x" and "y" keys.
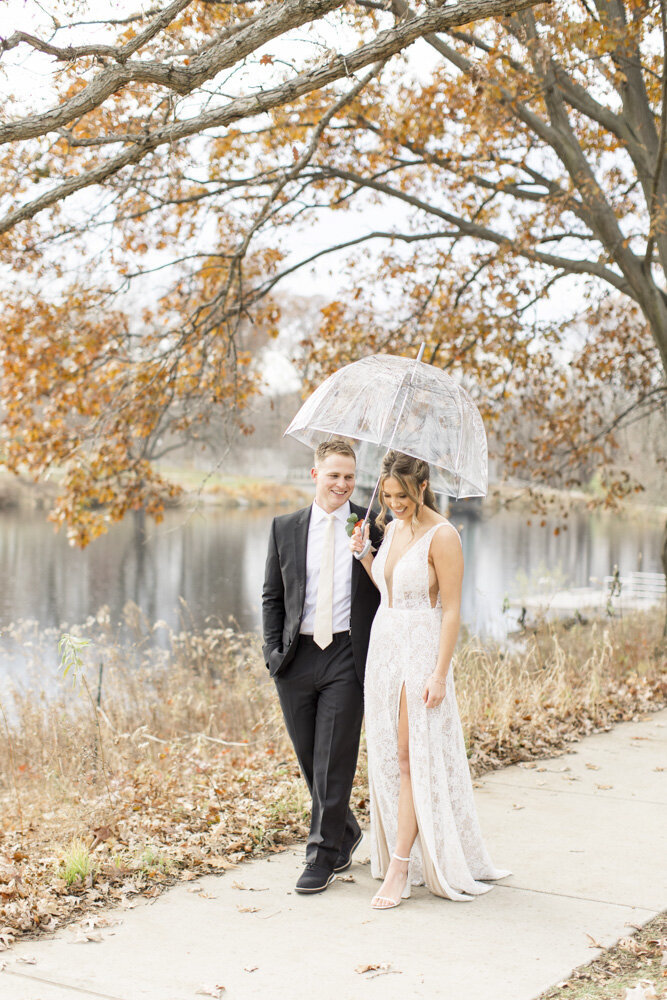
{"x": 517, "y": 155}
{"x": 520, "y": 159}
{"x": 92, "y": 402}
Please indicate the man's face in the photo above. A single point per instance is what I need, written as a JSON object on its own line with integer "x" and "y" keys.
{"x": 334, "y": 481}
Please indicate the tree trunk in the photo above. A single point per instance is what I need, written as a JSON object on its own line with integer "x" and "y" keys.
{"x": 664, "y": 567}
{"x": 654, "y": 307}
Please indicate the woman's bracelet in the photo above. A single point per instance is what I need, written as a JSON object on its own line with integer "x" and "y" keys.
{"x": 437, "y": 679}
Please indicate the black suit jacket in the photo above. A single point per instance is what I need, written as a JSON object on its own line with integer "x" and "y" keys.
{"x": 284, "y": 592}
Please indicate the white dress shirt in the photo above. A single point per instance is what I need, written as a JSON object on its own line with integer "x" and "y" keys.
{"x": 342, "y": 581}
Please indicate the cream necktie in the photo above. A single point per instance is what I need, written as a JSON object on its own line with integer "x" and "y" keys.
{"x": 323, "y": 630}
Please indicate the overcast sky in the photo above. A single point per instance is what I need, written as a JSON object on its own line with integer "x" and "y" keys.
{"x": 30, "y": 74}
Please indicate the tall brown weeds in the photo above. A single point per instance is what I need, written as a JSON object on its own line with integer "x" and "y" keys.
{"x": 196, "y": 771}
{"x": 558, "y": 683}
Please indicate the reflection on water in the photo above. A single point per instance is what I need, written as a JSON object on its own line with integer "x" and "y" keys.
{"x": 506, "y": 557}
{"x": 214, "y": 562}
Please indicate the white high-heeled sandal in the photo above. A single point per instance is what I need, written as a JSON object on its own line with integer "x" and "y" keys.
{"x": 386, "y": 902}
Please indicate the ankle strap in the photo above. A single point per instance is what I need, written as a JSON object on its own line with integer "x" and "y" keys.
{"x": 400, "y": 859}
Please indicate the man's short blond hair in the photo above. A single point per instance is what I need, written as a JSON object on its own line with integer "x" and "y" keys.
{"x": 336, "y": 446}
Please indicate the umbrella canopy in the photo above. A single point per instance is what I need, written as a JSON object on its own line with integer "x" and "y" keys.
{"x": 387, "y": 402}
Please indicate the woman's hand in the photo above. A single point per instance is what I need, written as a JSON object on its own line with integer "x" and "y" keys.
{"x": 359, "y": 543}
{"x": 435, "y": 690}
{"x": 356, "y": 541}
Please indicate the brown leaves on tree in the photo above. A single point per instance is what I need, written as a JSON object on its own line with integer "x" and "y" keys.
{"x": 532, "y": 152}
{"x": 93, "y": 400}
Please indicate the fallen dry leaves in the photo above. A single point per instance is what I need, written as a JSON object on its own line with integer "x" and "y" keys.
{"x": 372, "y": 969}
{"x": 633, "y": 969}
{"x": 186, "y": 769}
{"x": 154, "y": 846}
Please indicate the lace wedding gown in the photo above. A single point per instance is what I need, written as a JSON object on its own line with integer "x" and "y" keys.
{"x": 448, "y": 854}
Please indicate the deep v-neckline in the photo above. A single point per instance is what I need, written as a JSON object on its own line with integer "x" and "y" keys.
{"x": 389, "y": 584}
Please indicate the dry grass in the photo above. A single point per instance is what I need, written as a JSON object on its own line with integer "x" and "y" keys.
{"x": 559, "y": 684}
{"x": 638, "y": 960}
{"x": 184, "y": 767}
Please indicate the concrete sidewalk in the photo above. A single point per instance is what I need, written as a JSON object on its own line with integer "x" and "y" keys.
{"x": 584, "y": 834}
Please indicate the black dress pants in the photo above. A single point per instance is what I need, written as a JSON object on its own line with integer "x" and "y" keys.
{"x": 322, "y": 702}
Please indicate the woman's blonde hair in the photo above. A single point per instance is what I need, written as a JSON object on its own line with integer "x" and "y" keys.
{"x": 411, "y": 473}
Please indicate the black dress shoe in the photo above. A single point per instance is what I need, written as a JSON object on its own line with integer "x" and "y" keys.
{"x": 344, "y": 859}
{"x": 314, "y": 878}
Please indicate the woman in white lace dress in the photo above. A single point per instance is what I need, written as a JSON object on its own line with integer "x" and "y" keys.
{"x": 424, "y": 826}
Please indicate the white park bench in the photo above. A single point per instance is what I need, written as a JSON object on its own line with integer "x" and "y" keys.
{"x": 642, "y": 586}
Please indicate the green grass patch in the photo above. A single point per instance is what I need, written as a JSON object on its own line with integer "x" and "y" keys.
{"x": 76, "y": 863}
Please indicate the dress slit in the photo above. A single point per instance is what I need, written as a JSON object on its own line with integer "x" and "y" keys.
{"x": 448, "y": 853}
{"x": 424, "y": 865}
{"x": 398, "y": 707}
{"x": 381, "y": 839}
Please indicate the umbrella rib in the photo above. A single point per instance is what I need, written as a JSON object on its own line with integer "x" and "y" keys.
{"x": 457, "y": 464}
{"x": 398, "y": 420}
{"x": 412, "y": 375}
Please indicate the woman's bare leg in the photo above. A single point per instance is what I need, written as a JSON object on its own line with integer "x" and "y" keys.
{"x": 394, "y": 880}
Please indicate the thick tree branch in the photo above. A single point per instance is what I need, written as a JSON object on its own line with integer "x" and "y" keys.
{"x": 272, "y": 23}
{"x": 625, "y": 55}
{"x": 601, "y": 218}
{"x": 386, "y": 44}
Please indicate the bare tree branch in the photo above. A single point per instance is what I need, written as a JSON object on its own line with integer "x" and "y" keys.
{"x": 72, "y": 52}
{"x": 480, "y": 232}
{"x": 293, "y": 12}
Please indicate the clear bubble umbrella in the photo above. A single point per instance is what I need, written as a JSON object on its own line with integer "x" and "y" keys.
{"x": 386, "y": 402}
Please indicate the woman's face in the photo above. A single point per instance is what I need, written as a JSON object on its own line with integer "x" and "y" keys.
{"x": 397, "y": 500}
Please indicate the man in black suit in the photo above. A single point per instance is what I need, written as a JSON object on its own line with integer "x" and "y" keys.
{"x": 318, "y": 605}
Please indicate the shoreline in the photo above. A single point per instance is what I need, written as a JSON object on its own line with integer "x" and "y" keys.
{"x": 252, "y": 492}
{"x": 227, "y": 492}
{"x": 546, "y": 501}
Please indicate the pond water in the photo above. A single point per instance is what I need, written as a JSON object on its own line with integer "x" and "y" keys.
{"x": 212, "y": 564}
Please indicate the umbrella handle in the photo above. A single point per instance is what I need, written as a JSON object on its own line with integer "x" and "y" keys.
{"x": 369, "y": 545}
{"x": 364, "y": 552}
